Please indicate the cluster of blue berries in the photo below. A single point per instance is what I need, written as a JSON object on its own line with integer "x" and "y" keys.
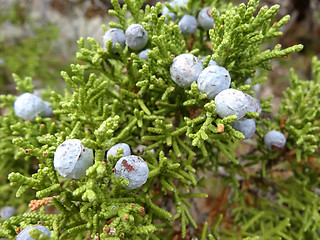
{"x": 214, "y": 81}
{"x": 188, "y": 23}
{"x": 130, "y": 167}
{"x": 135, "y": 37}
{"x": 72, "y": 159}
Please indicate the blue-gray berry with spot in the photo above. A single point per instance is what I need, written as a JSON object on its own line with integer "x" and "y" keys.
{"x": 274, "y": 140}
{"x": 72, "y": 159}
{"x": 116, "y": 35}
{"x": 205, "y": 18}
{"x": 136, "y": 37}
{"x": 212, "y": 80}
{"x": 185, "y": 69}
{"x": 187, "y": 24}
{"x": 132, "y": 168}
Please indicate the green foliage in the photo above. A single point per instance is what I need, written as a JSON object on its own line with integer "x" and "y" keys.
{"x": 117, "y": 97}
{"x": 300, "y": 114}
{"x": 29, "y": 52}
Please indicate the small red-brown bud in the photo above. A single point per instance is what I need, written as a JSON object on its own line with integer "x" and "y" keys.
{"x": 220, "y": 128}
{"x": 106, "y": 229}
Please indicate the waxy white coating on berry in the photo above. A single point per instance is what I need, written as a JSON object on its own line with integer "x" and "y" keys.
{"x": 24, "y": 234}
{"x": 7, "y": 212}
{"x": 116, "y": 35}
{"x": 143, "y": 54}
{"x": 274, "y": 140}
{"x": 187, "y": 24}
{"x": 132, "y": 168}
{"x": 185, "y": 69}
{"x": 212, "y": 80}
{"x": 136, "y": 37}
{"x": 254, "y": 104}
{"x": 28, "y": 105}
{"x": 246, "y": 126}
{"x": 231, "y": 102}
{"x": 205, "y": 18}
{"x": 113, "y": 150}
{"x": 72, "y": 159}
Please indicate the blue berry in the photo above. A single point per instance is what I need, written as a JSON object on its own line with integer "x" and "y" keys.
{"x": 116, "y": 35}
{"x": 187, "y": 24}
{"x": 72, "y": 159}
{"x": 212, "y": 80}
{"x": 132, "y": 168}
{"x": 185, "y": 69}
{"x": 7, "y": 212}
{"x": 246, "y": 126}
{"x": 143, "y": 54}
{"x": 274, "y": 140}
{"x": 24, "y": 234}
{"x": 231, "y": 102}
{"x": 205, "y": 18}
{"x": 136, "y": 37}
{"x": 166, "y": 12}
{"x": 113, "y": 150}
{"x": 254, "y": 104}
{"x": 256, "y": 87}
{"x": 47, "y": 113}
{"x": 28, "y": 105}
